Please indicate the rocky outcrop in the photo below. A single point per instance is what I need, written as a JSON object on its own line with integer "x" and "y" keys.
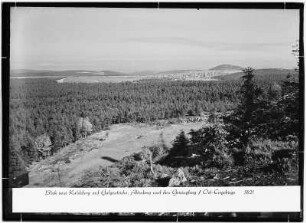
{"x": 177, "y": 179}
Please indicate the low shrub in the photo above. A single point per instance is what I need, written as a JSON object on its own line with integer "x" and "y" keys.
{"x": 284, "y": 160}
{"x": 211, "y": 144}
{"x": 259, "y": 152}
{"x": 158, "y": 152}
{"x": 238, "y": 156}
{"x": 67, "y": 160}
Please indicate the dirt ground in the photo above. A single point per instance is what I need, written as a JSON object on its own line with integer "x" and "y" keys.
{"x": 101, "y": 149}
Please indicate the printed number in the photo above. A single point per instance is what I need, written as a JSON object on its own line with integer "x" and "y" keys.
{"x": 249, "y": 192}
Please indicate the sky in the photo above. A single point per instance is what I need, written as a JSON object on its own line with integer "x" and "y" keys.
{"x": 130, "y": 40}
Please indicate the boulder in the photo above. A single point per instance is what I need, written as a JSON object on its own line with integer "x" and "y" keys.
{"x": 177, "y": 179}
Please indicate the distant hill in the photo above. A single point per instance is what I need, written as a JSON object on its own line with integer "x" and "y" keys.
{"x": 143, "y": 73}
{"x": 272, "y": 73}
{"x": 112, "y": 73}
{"x": 226, "y": 67}
{"x": 27, "y": 72}
{"x": 64, "y": 73}
{"x": 176, "y": 71}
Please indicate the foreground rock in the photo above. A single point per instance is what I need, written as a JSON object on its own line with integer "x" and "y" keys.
{"x": 177, "y": 179}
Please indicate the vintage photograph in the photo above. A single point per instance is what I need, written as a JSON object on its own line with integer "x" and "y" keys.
{"x": 154, "y": 97}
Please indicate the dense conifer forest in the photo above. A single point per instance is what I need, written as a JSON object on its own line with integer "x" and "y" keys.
{"x": 42, "y": 107}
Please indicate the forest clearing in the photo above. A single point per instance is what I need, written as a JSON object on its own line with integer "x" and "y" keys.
{"x": 102, "y": 149}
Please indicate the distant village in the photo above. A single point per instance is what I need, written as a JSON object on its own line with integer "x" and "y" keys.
{"x": 192, "y": 75}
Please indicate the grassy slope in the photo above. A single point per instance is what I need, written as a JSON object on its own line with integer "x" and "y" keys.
{"x": 66, "y": 167}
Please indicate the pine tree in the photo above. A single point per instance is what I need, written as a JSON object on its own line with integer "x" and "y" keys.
{"x": 180, "y": 145}
{"x": 250, "y": 92}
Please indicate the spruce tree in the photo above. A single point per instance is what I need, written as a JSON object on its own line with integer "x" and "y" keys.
{"x": 180, "y": 145}
{"x": 243, "y": 123}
